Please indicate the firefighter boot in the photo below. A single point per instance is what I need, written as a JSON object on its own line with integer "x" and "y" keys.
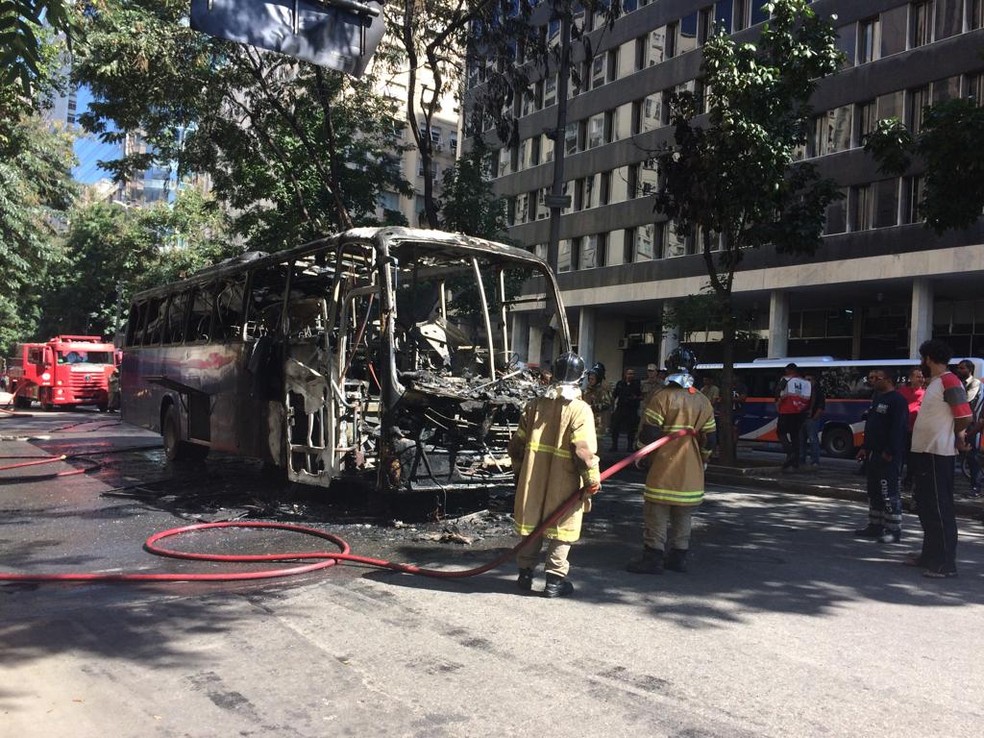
{"x": 651, "y": 562}
{"x": 525, "y": 580}
{"x": 676, "y": 560}
{"x": 557, "y": 586}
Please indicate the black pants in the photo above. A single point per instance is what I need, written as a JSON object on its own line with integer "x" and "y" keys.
{"x": 884, "y": 493}
{"x": 626, "y": 422}
{"x": 933, "y": 477}
{"x": 788, "y": 428}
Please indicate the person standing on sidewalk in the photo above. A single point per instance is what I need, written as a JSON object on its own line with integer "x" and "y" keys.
{"x": 626, "y": 397}
{"x": 810, "y": 433}
{"x": 972, "y": 385}
{"x": 913, "y": 393}
{"x": 938, "y": 432}
{"x": 792, "y": 403}
{"x": 554, "y": 453}
{"x": 675, "y": 481}
{"x": 884, "y": 441}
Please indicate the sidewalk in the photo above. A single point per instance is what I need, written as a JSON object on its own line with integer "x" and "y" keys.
{"x": 821, "y": 481}
{"x": 833, "y": 480}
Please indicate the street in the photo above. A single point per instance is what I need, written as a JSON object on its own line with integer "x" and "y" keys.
{"x": 785, "y": 625}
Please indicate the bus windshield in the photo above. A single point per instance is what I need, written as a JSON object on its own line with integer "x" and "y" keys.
{"x": 384, "y": 353}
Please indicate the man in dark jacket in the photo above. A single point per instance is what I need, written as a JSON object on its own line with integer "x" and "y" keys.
{"x": 627, "y": 397}
{"x": 883, "y": 449}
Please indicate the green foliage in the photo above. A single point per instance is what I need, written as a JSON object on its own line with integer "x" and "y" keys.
{"x": 469, "y": 204}
{"x": 35, "y": 190}
{"x": 294, "y": 151}
{"x": 23, "y": 39}
{"x": 110, "y": 252}
{"x": 948, "y": 149}
{"x": 731, "y": 174}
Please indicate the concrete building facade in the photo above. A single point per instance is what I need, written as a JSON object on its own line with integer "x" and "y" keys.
{"x": 881, "y": 282}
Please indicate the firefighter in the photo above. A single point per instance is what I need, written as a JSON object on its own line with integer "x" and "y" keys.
{"x": 554, "y": 452}
{"x": 675, "y": 481}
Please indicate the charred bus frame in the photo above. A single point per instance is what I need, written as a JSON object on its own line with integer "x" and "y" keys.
{"x": 377, "y": 354}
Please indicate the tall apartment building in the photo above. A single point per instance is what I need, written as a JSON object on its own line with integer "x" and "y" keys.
{"x": 881, "y": 282}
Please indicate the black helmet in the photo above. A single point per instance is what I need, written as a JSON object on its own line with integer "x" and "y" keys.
{"x": 599, "y": 370}
{"x": 681, "y": 360}
{"x": 568, "y": 368}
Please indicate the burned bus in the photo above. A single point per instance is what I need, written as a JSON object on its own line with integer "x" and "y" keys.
{"x": 379, "y": 355}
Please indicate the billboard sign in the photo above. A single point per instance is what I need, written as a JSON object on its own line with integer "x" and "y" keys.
{"x": 338, "y": 34}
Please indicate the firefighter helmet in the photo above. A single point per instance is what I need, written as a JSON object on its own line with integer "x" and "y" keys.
{"x": 681, "y": 360}
{"x": 568, "y": 368}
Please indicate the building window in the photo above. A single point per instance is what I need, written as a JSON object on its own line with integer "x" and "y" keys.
{"x": 886, "y": 203}
{"x": 869, "y": 38}
{"x": 564, "y": 262}
{"x": 975, "y": 14}
{"x": 657, "y": 46}
{"x": 862, "y": 208}
{"x": 867, "y": 116}
{"x": 974, "y": 88}
{"x": 949, "y": 18}
{"x": 741, "y": 16}
{"x": 596, "y": 130}
{"x": 664, "y": 107}
{"x": 920, "y": 23}
{"x": 918, "y": 99}
{"x": 688, "y": 34}
{"x": 641, "y": 52}
{"x": 705, "y": 24}
{"x": 605, "y": 196}
{"x": 588, "y": 252}
{"x": 723, "y": 13}
{"x": 670, "y": 41}
{"x": 946, "y": 89}
{"x": 832, "y": 131}
{"x": 612, "y": 65}
{"x": 837, "y": 215}
{"x": 759, "y": 13}
{"x": 550, "y": 91}
{"x": 640, "y": 247}
{"x": 611, "y": 118}
{"x": 570, "y": 138}
{"x": 913, "y": 189}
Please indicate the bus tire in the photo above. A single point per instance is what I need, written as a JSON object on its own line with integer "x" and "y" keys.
{"x": 176, "y": 449}
{"x": 22, "y": 403}
{"x": 838, "y": 442}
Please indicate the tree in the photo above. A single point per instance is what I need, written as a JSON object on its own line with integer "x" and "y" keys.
{"x": 469, "y": 204}
{"x": 728, "y": 180}
{"x": 948, "y": 149}
{"x": 35, "y": 184}
{"x": 294, "y": 150}
{"x": 23, "y": 40}
{"x": 109, "y": 252}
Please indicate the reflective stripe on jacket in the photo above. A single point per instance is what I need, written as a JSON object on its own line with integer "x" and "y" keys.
{"x": 544, "y": 453}
{"x": 676, "y": 471}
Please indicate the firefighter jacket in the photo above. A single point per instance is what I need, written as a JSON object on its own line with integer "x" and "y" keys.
{"x": 676, "y": 470}
{"x": 554, "y": 453}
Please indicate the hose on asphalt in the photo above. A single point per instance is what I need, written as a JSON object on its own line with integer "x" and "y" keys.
{"x": 323, "y": 559}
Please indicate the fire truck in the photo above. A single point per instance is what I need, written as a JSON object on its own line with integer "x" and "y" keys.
{"x": 65, "y": 371}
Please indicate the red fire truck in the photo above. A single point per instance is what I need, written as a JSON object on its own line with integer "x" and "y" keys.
{"x": 66, "y": 371}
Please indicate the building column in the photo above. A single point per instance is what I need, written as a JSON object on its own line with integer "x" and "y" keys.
{"x": 921, "y": 320}
{"x": 535, "y": 345}
{"x": 586, "y": 335}
{"x": 778, "y": 324}
{"x": 669, "y": 338}
{"x": 519, "y": 339}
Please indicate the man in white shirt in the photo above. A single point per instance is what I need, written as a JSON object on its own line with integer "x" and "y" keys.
{"x": 936, "y": 436}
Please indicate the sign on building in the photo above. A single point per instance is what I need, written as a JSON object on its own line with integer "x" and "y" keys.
{"x": 338, "y": 34}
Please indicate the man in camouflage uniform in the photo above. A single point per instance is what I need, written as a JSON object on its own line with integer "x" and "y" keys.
{"x": 554, "y": 453}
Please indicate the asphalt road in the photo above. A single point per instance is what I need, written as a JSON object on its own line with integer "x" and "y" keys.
{"x": 786, "y": 625}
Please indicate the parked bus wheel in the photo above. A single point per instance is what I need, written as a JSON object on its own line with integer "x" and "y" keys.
{"x": 22, "y": 403}
{"x": 838, "y": 442}
{"x": 174, "y": 448}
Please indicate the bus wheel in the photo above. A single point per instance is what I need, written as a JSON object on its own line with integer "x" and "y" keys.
{"x": 838, "y": 442}
{"x": 174, "y": 448}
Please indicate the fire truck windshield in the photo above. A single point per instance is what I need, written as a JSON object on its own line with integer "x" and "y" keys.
{"x": 85, "y": 357}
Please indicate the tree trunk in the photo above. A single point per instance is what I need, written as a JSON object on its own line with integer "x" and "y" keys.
{"x": 727, "y": 434}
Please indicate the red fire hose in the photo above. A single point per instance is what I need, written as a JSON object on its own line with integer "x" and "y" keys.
{"x": 324, "y": 558}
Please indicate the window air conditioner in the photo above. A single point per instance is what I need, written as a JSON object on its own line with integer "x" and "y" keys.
{"x": 623, "y": 343}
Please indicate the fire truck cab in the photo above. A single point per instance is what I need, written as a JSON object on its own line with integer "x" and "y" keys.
{"x": 65, "y": 371}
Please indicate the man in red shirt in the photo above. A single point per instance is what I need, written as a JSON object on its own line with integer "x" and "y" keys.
{"x": 792, "y": 403}
{"x": 913, "y": 394}
{"x": 937, "y": 434}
